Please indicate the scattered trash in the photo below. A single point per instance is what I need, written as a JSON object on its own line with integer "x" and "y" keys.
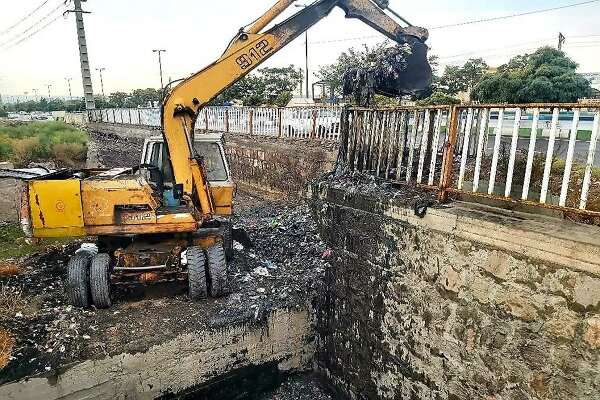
{"x": 281, "y": 271}
{"x": 261, "y": 271}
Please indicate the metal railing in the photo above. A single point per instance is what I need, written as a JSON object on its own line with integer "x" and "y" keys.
{"x": 128, "y": 116}
{"x": 539, "y": 154}
{"x": 400, "y": 144}
{"x": 321, "y": 123}
{"x": 299, "y": 123}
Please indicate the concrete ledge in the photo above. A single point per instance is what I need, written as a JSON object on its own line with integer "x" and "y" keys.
{"x": 177, "y": 365}
{"x": 550, "y": 240}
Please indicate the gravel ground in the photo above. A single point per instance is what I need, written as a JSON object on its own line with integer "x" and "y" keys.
{"x": 280, "y": 271}
{"x": 299, "y": 387}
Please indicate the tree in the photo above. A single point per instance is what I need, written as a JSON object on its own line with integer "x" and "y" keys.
{"x": 547, "y": 75}
{"x": 267, "y": 86}
{"x": 352, "y": 58}
{"x": 118, "y": 99}
{"x": 456, "y": 79}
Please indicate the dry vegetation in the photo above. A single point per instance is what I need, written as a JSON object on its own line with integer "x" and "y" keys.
{"x": 6, "y": 345}
{"x": 24, "y": 143}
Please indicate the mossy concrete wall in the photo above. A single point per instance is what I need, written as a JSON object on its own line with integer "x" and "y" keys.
{"x": 468, "y": 303}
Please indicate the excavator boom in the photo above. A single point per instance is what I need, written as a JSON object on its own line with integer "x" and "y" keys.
{"x": 249, "y": 49}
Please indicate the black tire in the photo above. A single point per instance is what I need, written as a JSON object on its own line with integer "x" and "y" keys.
{"x": 196, "y": 264}
{"x": 217, "y": 271}
{"x": 78, "y": 279}
{"x": 100, "y": 281}
{"x": 228, "y": 240}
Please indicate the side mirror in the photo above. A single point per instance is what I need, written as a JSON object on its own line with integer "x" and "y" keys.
{"x": 178, "y": 191}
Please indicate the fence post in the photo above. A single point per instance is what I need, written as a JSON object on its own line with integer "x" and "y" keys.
{"x": 448, "y": 161}
{"x": 206, "y": 119}
{"x": 279, "y": 122}
{"x": 129, "y": 112}
{"x": 313, "y": 131}
{"x": 114, "y": 116}
{"x": 251, "y": 121}
{"x": 227, "y": 121}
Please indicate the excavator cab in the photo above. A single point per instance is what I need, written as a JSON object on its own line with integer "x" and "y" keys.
{"x": 209, "y": 150}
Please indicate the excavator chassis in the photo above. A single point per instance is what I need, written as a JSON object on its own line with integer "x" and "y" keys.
{"x": 148, "y": 259}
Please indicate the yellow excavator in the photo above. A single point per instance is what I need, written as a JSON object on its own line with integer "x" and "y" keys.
{"x": 160, "y": 220}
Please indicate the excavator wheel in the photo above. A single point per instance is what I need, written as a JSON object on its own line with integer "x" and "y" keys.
{"x": 217, "y": 271}
{"x": 196, "y": 264}
{"x": 100, "y": 280}
{"x": 78, "y": 279}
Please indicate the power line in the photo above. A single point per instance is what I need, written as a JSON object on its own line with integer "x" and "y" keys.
{"x": 24, "y": 18}
{"x": 477, "y": 52}
{"x": 44, "y": 18}
{"x": 477, "y": 21}
{"x": 491, "y": 19}
{"x": 33, "y": 33}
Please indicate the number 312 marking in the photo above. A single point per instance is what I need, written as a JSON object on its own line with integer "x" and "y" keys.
{"x": 257, "y": 53}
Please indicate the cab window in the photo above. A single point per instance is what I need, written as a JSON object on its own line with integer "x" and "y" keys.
{"x": 213, "y": 160}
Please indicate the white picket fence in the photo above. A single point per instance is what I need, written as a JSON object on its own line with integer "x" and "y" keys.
{"x": 322, "y": 123}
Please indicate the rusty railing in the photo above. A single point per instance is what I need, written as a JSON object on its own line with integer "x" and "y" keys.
{"x": 538, "y": 154}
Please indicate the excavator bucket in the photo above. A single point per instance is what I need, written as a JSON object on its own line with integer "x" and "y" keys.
{"x": 402, "y": 70}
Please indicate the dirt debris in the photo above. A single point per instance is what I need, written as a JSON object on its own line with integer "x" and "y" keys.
{"x": 300, "y": 387}
{"x": 279, "y": 272}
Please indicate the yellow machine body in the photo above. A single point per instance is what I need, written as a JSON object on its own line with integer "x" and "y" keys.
{"x": 123, "y": 203}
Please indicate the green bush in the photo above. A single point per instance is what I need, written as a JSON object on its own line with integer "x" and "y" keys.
{"x": 41, "y": 141}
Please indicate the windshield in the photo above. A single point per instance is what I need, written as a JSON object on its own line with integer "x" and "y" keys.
{"x": 213, "y": 160}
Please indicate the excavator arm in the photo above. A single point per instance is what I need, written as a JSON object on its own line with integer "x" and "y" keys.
{"x": 249, "y": 49}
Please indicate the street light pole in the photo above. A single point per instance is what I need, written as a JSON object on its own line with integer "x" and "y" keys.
{"x": 306, "y": 52}
{"x": 49, "y": 93}
{"x": 101, "y": 79}
{"x": 160, "y": 51}
{"x": 69, "y": 84}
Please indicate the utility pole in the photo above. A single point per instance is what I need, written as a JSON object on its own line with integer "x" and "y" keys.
{"x": 101, "y": 79}
{"x": 35, "y": 93}
{"x": 306, "y": 52}
{"x": 160, "y": 51}
{"x": 86, "y": 74}
{"x": 49, "y": 91}
{"x": 69, "y": 85}
{"x": 561, "y": 40}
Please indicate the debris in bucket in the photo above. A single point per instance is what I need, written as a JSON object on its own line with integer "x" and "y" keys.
{"x": 399, "y": 71}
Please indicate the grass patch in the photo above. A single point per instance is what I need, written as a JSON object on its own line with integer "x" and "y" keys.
{"x": 582, "y": 135}
{"x": 13, "y": 244}
{"x": 23, "y": 143}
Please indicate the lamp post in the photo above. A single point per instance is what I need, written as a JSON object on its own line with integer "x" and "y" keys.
{"x": 101, "y": 79}
{"x": 160, "y": 51}
{"x": 306, "y": 51}
{"x": 69, "y": 85}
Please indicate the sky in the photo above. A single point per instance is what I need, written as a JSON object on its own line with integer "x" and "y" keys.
{"x": 122, "y": 34}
